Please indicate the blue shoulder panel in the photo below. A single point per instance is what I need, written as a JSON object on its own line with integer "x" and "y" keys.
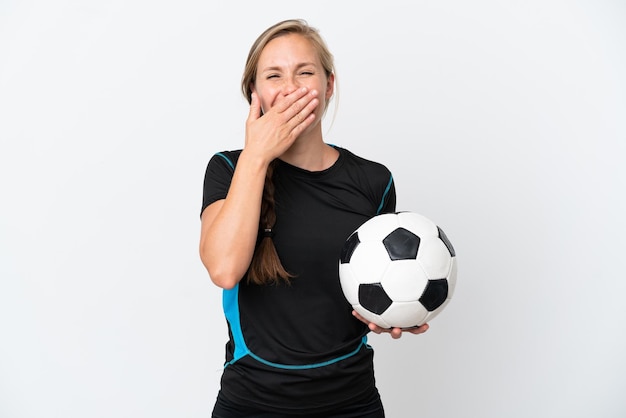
{"x": 382, "y": 201}
{"x": 230, "y": 163}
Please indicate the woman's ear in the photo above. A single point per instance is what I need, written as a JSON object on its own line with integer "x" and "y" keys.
{"x": 252, "y": 90}
{"x": 330, "y": 86}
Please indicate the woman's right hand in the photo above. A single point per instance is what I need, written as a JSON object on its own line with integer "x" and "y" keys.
{"x": 270, "y": 134}
{"x": 230, "y": 226}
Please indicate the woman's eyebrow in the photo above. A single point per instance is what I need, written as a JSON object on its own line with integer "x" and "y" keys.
{"x": 278, "y": 68}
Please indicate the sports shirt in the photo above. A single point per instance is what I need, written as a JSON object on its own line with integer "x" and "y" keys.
{"x": 296, "y": 347}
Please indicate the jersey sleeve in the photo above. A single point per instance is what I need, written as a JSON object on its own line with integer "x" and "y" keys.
{"x": 388, "y": 201}
{"x": 217, "y": 178}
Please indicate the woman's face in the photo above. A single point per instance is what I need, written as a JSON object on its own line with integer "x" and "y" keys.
{"x": 287, "y": 63}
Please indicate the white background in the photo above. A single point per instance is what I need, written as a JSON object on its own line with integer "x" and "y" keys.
{"x": 505, "y": 122}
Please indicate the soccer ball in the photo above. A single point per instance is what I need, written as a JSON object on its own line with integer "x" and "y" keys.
{"x": 398, "y": 270}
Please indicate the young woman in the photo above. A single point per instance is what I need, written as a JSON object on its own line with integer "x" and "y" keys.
{"x": 274, "y": 218}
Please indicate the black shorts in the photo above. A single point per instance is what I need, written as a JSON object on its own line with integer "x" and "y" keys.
{"x": 226, "y": 409}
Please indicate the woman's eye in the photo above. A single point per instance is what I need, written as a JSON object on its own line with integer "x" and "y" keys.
{"x": 272, "y": 76}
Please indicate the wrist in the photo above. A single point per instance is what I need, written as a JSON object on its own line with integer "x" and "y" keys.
{"x": 253, "y": 162}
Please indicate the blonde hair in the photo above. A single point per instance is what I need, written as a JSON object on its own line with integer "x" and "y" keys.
{"x": 266, "y": 266}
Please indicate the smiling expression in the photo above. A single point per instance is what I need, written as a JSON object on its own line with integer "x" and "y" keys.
{"x": 287, "y": 63}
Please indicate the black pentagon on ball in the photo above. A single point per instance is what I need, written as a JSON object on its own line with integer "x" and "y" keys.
{"x": 348, "y": 248}
{"x": 444, "y": 238}
{"x": 435, "y": 294}
{"x": 373, "y": 297}
{"x": 402, "y": 244}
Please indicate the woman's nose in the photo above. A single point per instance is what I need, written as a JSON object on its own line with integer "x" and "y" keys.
{"x": 291, "y": 85}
